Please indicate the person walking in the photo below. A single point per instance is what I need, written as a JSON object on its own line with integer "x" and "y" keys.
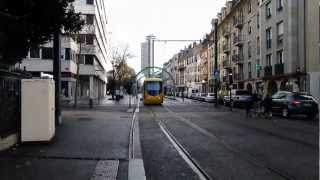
{"x": 267, "y": 103}
{"x": 248, "y": 105}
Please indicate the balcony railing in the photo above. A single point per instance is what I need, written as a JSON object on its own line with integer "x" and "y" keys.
{"x": 267, "y": 71}
{"x": 226, "y": 47}
{"x": 238, "y": 77}
{"x": 279, "y": 69}
{"x": 225, "y": 78}
{"x": 181, "y": 66}
{"x": 226, "y": 33}
{"x": 238, "y": 22}
{"x": 238, "y": 40}
{"x": 238, "y": 58}
{"x": 226, "y": 63}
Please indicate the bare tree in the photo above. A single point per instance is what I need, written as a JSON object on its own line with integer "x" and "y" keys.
{"x": 120, "y": 69}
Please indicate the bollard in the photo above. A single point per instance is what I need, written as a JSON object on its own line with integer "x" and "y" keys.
{"x": 90, "y": 103}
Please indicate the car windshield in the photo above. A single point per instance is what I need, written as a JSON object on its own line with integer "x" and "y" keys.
{"x": 210, "y": 94}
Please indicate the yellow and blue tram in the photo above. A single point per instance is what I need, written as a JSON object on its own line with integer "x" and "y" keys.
{"x": 152, "y": 91}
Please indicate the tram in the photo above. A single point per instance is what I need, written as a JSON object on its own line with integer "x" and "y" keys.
{"x": 152, "y": 91}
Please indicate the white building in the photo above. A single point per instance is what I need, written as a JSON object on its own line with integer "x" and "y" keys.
{"x": 91, "y": 49}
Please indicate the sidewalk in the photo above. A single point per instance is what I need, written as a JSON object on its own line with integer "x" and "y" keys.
{"x": 90, "y": 142}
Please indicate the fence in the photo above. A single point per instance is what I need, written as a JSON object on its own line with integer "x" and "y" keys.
{"x": 10, "y": 97}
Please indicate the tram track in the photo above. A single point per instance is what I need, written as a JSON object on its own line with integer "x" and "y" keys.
{"x": 252, "y": 159}
{"x": 192, "y": 163}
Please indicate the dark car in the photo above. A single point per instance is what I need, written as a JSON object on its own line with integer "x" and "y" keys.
{"x": 291, "y": 103}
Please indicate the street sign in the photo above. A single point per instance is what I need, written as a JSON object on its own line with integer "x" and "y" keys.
{"x": 216, "y": 72}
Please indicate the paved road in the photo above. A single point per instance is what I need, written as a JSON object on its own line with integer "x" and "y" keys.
{"x": 193, "y": 140}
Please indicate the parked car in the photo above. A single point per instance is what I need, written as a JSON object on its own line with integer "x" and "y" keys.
{"x": 210, "y": 97}
{"x": 238, "y": 97}
{"x": 290, "y": 103}
{"x": 193, "y": 95}
{"x": 202, "y": 96}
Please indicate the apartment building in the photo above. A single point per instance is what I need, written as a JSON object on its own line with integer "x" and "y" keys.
{"x": 313, "y": 47}
{"x": 264, "y": 45}
{"x": 90, "y": 47}
{"x": 94, "y": 54}
{"x": 259, "y": 44}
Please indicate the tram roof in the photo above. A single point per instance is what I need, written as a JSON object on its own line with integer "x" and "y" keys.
{"x": 152, "y": 79}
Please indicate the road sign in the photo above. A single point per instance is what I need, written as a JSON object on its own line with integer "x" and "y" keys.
{"x": 216, "y": 72}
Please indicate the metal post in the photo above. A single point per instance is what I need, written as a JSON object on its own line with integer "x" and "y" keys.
{"x": 216, "y": 61}
{"x": 57, "y": 75}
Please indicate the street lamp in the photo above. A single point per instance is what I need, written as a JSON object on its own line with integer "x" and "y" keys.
{"x": 298, "y": 72}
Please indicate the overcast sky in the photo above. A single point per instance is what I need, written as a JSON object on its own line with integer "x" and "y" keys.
{"x": 131, "y": 20}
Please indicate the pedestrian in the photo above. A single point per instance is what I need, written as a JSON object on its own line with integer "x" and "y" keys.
{"x": 248, "y": 105}
{"x": 267, "y": 103}
{"x": 182, "y": 96}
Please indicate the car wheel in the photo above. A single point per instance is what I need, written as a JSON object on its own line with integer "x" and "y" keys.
{"x": 285, "y": 113}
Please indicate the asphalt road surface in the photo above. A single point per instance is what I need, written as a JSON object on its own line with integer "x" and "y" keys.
{"x": 194, "y": 140}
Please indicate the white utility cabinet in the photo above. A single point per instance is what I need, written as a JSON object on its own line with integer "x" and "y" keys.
{"x": 37, "y": 110}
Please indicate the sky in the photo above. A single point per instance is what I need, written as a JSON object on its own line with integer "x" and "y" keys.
{"x": 130, "y": 21}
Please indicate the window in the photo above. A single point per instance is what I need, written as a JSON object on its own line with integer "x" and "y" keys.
{"x": 67, "y": 54}
{"x": 280, "y": 33}
{"x": 90, "y": 1}
{"x": 81, "y": 38}
{"x": 258, "y": 20}
{"x": 280, "y": 57}
{"x": 249, "y": 6}
{"x": 81, "y": 58}
{"x": 269, "y": 37}
{"x": 47, "y": 53}
{"x": 268, "y": 59}
{"x": 35, "y": 52}
{"x": 258, "y": 45}
{"x": 249, "y": 70}
{"x": 89, "y": 38}
{"x": 89, "y": 59}
{"x": 249, "y": 27}
{"x": 89, "y": 19}
{"x": 249, "y": 49}
{"x": 268, "y": 10}
{"x": 279, "y": 5}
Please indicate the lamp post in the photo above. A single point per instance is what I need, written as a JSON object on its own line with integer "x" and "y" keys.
{"x": 230, "y": 85}
{"x": 298, "y": 72}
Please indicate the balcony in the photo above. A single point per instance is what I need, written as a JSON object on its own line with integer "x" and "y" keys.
{"x": 238, "y": 40}
{"x": 181, "y": 66}
{"x": 238, "y": 58}
{"x": 238, "y": 22}
{"x": 226, "y": 48}
{"x": 226, "y": 33}
{"x": 225, "y": 78}
{"x": 279, "y": 69}
{"x": 238, "y": 77}
{"x": 226, "y": 63}
{"x": 268, "y": 71}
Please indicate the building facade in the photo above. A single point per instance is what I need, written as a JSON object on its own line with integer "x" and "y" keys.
{"x": 264, "y": 45}
{"x": 89, "y": 48}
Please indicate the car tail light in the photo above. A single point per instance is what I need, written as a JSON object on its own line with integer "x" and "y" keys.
{"x": 296, "y": 103}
